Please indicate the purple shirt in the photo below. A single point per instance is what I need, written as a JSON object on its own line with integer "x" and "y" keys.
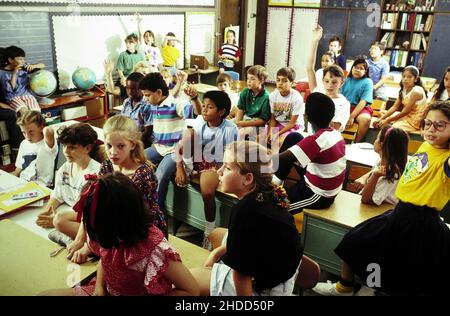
{"x": 7, "y": 92}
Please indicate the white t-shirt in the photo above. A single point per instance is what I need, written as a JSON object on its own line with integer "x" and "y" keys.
{"x": 37, "y": 162}
{"x": 384, "y": 190}
{"x": 284, "y": 107}
{"x": 67, "y": 187}
{"x": 341, "y": 112}
{"x": 319, "y": 81}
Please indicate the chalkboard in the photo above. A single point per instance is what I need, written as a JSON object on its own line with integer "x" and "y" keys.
{"x": 29, "y": 31}
{"x": 360, "y": 35}
{"x": 437, "y": 58}
{"x": 442, "y": 5}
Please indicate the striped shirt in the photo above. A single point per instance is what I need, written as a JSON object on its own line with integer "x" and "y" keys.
{"x": 136, "y": 113}
{"x": 168, "y": 123}
{"x": 323, "y": 155}
{"x": 229, "y": 50}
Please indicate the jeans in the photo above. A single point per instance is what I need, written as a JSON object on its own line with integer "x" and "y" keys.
{"x": 15, "y": 135}
{"x": 164, "y": 172}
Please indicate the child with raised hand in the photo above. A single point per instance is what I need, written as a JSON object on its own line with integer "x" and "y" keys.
{"x": 37, "y": 152}
{"x": 411, "y": 244}
{"x": 128, "y": 59}
{"x": 259, "y": 225}
{"x": 80, "y": 148}
{"x": 335, "y": 46}
{"x": 379, "y": 185}
{"x": 135, "y": 258}
{"x": 358, "y": 90}
{"x": 229, "y": 53}
{"x": 151, "y": 51}
{"x": 208, "y": 138}
{"x": 329, "y": 83}
{"x": 442, "y": 93}
{"x": 170, "y": 53}
{"x": 411, "y": 102}
{"x": 286, "y": 107}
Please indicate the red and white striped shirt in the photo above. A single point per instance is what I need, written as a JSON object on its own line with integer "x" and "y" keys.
{"x": 323, "y": 155}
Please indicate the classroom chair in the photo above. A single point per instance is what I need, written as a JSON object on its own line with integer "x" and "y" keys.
{"x": 308, "y": 274}
{"x": 349, "y": 134}
{"x": 377, "y": 106}
{"x": 354, "y": 173}
{"x": 413, "y": 145}
{"x": 303, "y": 88}
{"x": 233, "y": 74}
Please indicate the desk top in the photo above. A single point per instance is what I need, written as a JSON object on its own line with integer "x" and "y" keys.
{"x": 348, "y": 211}
{"x": 192, "y": 255}
{"x": 73, "y": 98}
{"x": 27, "y": 269}
{"x": 361, "y": 153}
{"x": 211, "y": 69}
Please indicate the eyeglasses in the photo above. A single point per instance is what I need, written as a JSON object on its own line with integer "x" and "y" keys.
{"x": 359, "y": 69}
{"x": 438, "y": 125}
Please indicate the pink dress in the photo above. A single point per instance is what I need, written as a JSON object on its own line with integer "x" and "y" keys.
{"x": 136, "y": 270}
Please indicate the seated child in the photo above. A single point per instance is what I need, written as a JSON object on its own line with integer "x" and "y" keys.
{"x": 37, "y": 152}
{"x": 211, "y": 133}
{"x": 224, "y": 83}
{"x": 378, "y": 70}
{"x": 259, "y": 225}
{"x": 135, "y": 258}
{"x": 443, "y": 91}
{"x": 335, "y": 46}
{"x": 228, "y": 53}
{"x": 170, "y": 53}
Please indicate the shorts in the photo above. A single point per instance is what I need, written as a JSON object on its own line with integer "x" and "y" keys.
{"x": 365, "y": 110}
{"x": 24, "y": 101}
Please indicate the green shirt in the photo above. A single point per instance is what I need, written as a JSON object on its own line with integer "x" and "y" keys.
{"x": 255, "y": 106}
{"x": 127, "y": 61}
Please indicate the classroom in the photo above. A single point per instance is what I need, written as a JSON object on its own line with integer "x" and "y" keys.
{"x": 224, "y": 148}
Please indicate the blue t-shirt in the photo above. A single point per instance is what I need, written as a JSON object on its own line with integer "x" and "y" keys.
{"x": 7, "y": 93}
{"x": 139, "y": 114}
{"x": 356, "y": 90}
{"x": 378, "y": 69}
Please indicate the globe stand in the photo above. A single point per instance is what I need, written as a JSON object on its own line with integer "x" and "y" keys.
{"x": 46, "y": 101}
{"x": 85, "y": 94}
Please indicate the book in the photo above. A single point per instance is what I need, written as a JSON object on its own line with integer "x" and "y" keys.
{"x": 13, "y": 200}
{"x": 424, "y": 41}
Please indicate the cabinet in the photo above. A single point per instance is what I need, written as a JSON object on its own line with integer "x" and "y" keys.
{"x": 405, "y": 30}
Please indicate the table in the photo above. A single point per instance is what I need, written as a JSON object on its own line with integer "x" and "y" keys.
{"x": 202, "y": 75}
{"x": 361, "y": 153}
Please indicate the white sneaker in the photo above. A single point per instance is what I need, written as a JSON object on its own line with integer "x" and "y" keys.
{"x": 365, "y": 291}
{"x": 329, "y": 289}
{"x": 188, "y": 167}
{"x": 206, "y": 243}
{"x": 59, "y": 238}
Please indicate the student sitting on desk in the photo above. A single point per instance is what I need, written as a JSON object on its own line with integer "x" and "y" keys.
{"x": 409, "y": 246}
{"x": 80, "y": 148}
{"x": 443, "y": 91}
{"x": 37, "y": 152}
{"x": 378, "y": 70}
{"x": 412, "y": 101}
{"x": 378, "y": 186}
{"x": 253, "y": 107}
{"x": 170, "y": 53}
{"x": 321, "y": 157}
{"x": 229, "y": 53}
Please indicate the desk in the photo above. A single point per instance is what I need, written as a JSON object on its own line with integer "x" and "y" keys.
{"x": 362, "y": 154}
{"x": 191, "y": 255}
{"x": 203, "y": 75}
{"x": 323, "y": 229}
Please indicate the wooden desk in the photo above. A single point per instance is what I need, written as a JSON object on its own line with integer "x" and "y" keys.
{"x": 323, "y": 229}
{"x": 25, "y": 265}
{"x": 192, "y": 255}
{"x": 202, "y": 75}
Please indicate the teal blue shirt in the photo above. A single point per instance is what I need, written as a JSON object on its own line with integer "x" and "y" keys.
{"x": 355, "y": 90}
{"x": 127, "y": 61}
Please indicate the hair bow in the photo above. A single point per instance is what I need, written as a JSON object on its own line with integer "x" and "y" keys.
{"x": 89, "y": 194}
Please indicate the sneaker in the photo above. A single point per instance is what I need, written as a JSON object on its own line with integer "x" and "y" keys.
{"x": 329, "y": 289}
{"x": 59, "y": 238}
{"x": 365, "y": 291}
{"x": 206, "y": 243}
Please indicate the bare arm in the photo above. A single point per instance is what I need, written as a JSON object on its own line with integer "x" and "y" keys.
{"x": 122, "y": 77}
{"x": 356, "y": 112}
{"x": 183, "y": 281}
{"x": 140, "y": 34}
{"x": 317, "y": 35}
{"x": 370, "y": 187}
{"x": 110, "y": 87}
{"x": 381, "y": 82}
{"x": 4, "y": 106}
{"x": 100, "y": 285}
{"x": 192, "y": 92}
{"x": 415, "y": 96}
{"x": 49, "y": 135}
{"x": 16, "y": 172}
{"x": 239, "y": 115}
{"x": 289, "y": 125}
{"x": 256, "y": 122}
{"x": 243, "y": 284}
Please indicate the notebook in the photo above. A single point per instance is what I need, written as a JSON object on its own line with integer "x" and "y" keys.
{"x": 21, "y": 196}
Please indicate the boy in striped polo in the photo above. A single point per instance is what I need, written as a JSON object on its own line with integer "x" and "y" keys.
{"x": 321, "y": 157}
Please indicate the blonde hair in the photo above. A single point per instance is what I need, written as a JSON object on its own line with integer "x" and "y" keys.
{"x": 251, "y": 157}
{"x": 259, "y": 71}
{"x": 31, "y": 117}
{"x": 128, "y": 129}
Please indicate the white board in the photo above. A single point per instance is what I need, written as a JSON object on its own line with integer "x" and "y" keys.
{"x": 277, "y": 40}
{"x": 88, "y": 40}
{"x": 191, "y": 3}
{"x": 200, "y": 39}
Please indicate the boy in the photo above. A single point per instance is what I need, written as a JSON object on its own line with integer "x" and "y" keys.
{"x": 170, "y": 53}
{"x": 321, "y": 157}
{"x": 378, "y": 70}
{"x": 208, "y": 138}
{"x": 127, "y": 60}
{"x": 224, "y": 83}
{"x": 253, "y": 106}
{"x": 335, "y": 46}
{"x": 167, "y": 116}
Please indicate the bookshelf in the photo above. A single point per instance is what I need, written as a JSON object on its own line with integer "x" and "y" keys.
{"x": 406, "y": 30}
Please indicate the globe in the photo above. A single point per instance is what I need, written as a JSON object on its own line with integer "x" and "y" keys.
{"x": 43, "y": 84}
{"x": 84, "y": 79}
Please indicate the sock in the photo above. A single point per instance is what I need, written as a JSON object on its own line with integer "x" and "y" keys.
{"x": 189, "y": 164}
{"x": 210, "y": 226}
{"x": 344, "y": 286}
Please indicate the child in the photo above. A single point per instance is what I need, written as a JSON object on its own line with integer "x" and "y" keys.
{"x": 253, "y": 107}
{"x": 379, "y": 185}
{"x": 326, "y": 61}
{"x": 286, "y": 107}
{"x": 358, "y": 89}
{"x": 410, "y": 244}
{"x": 125, "y": 151}
{"x": 36, "y": 157}
{"x": 80, "y": 149}
{"x": 224, "y": 83}
{"x": 174, "y": 83}
{"x": 211, "y": 133}
{"x": 229, "y": 53}
{"x": 167, "y": 119}
{"x": 135, "y": 258}
{"x": 378, "y": 70}
{"x": 412, "y": 101}
{"x": 262, "y": 252}
{"x": 443, "y": 91}
{"x": 335, "y": 46}
{"x": 128, "y": 59}
{"x": 329, "y": 83}
{"x": 170, "y": 53}
{"x": 151, "y": 51}
{"x": 321, "y": 155}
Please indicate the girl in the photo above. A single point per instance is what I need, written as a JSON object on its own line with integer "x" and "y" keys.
{"x": 170, "y": 53}
{"x": 329, "y": 83}
{"x": 262, "y": 251}
{"x": 126, "y": 155}
{"x": 36, "y": 157}
{"x": 412, "y": 101}
{"x": 80, "y": 149}
{"x": 135, "y": 258}
{"x": 410, "y": 245}
{"x": 443, "y": 91}
{"x": 358, "y": 89}
{"x": 229, "y": 53}
{"x": 379, "y": 185}
{"x": 151, "y": 51}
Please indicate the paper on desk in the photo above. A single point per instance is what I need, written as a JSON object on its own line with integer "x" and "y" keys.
{"x": 9, "y": 182}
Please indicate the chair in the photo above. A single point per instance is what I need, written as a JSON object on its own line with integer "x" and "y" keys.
{"x": 355, "y": 173}
{"x": 303, "y": 88}
{"x": 377, "y": 106}
{"x": 308, "y": 274}
{"x": 349, "y": 134}
{"x": 413, "y": 145}
{"x": 233, "y": 74}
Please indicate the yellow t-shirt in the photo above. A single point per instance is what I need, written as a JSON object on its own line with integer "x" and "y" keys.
{"x": 424, "y": 181}
{"x": 170, "y": 55}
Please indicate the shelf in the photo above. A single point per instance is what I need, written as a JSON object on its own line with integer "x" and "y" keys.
{"x": 403, "y": 49}
{"x": 408, "y": 11}
{"x": 75, "y": 98}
